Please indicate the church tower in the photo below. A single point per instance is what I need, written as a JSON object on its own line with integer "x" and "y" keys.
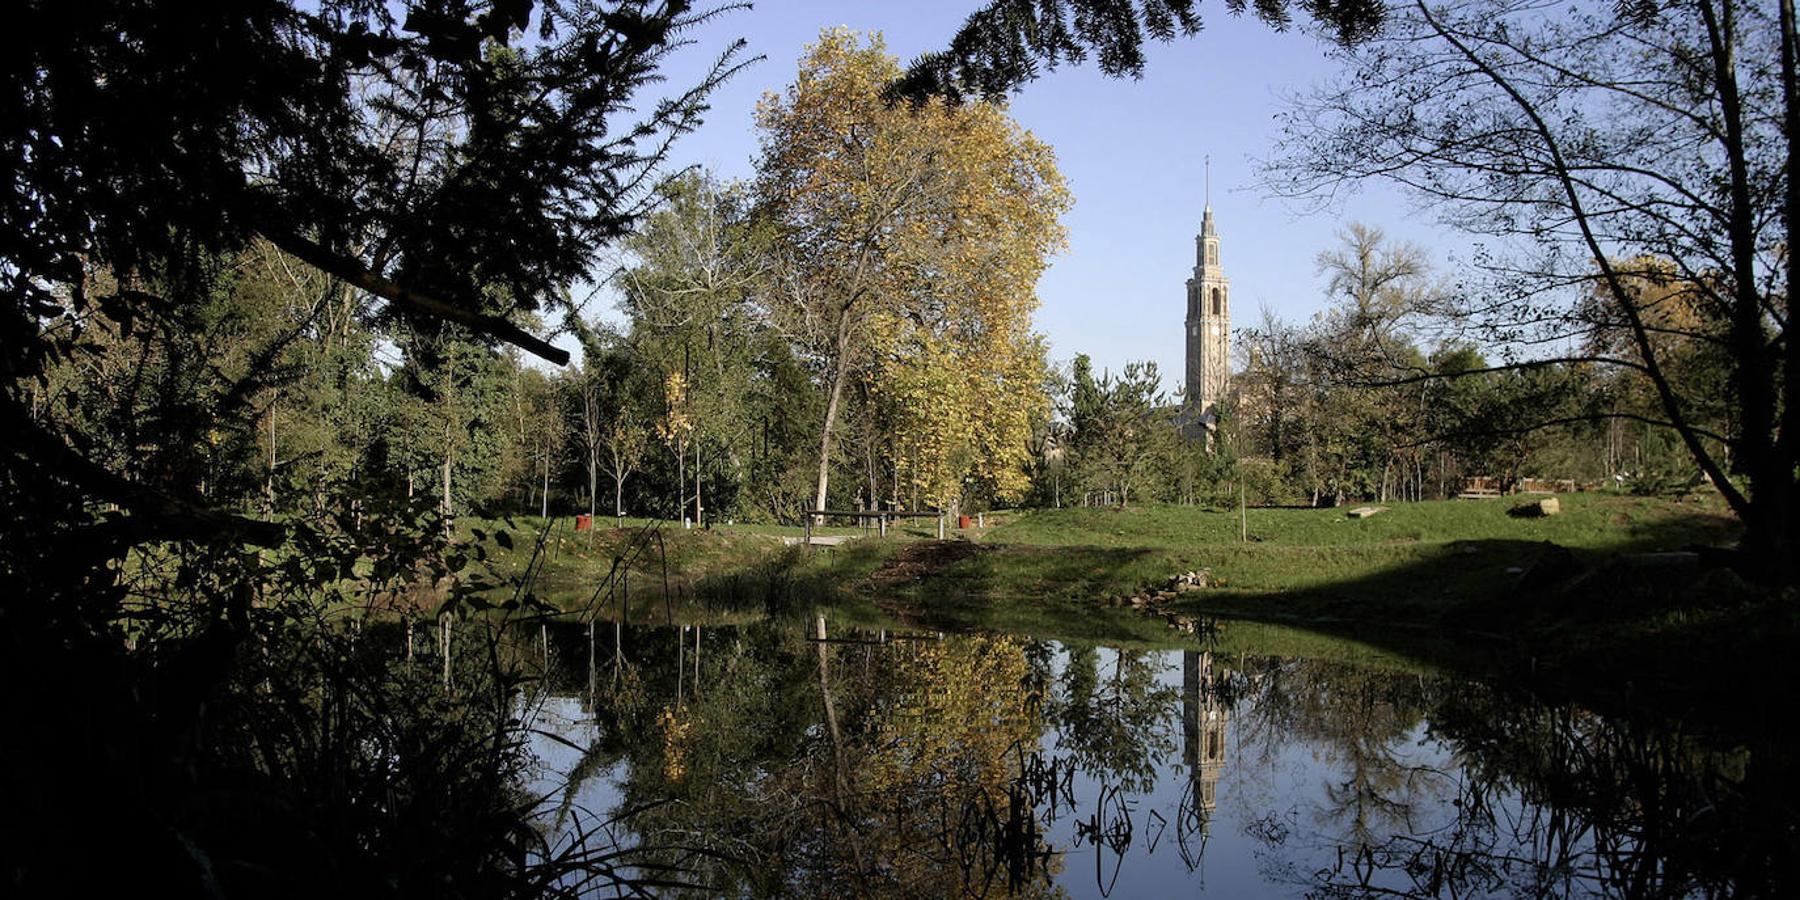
{"x": 1208, "y": 330}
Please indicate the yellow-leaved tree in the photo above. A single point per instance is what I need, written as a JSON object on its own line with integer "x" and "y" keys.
{"x": 910, "y": 242}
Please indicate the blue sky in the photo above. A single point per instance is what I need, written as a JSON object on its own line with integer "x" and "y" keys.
{"x": 1132, "y": 153}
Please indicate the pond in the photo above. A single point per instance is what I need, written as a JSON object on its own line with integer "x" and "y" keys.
{"x": 811, "y": 758}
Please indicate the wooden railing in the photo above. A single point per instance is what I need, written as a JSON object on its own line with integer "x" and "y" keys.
{"x": 1484, "y": 486}
{"x": 880, "y": 517}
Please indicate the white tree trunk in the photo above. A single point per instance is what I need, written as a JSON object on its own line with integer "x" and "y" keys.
{"x": 832, "y": 402}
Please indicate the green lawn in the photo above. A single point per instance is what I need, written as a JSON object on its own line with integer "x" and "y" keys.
{"x": 1412, "y": 552}
{"x": 1414, "y": 561}
{"x": 1587, "y": 521}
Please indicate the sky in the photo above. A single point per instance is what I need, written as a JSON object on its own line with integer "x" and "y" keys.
{"x": 1133, "y": 153}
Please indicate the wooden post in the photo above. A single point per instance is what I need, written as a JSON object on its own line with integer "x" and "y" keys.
{"x": 940, "y": 526}
{"x": 808, "y": 533}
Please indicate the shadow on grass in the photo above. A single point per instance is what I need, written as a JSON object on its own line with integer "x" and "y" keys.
{"x": 1635, "y": 621}
{"x": 1641, "y": 627}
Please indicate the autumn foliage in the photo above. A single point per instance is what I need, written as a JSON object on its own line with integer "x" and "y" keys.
{"x": 912, "y": 239}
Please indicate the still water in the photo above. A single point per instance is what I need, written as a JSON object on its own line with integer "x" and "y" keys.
{"x": 804, "y": 758}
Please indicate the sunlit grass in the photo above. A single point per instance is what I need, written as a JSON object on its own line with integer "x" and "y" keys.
{"x": 1413, "y": 555}
{"x": 1587, "y": 520}
{"x": 1062, "y": 573}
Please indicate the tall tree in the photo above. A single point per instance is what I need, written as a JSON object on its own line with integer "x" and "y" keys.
{"x": 450, "y": 430}
{"x": 879, "y": 260}
{"x": 538, "y": 431}
{"x": 1378, "y": 290}
{"x": 419, "y": 153}
{"x": 1582, "y": 136}
{"x": 695, "y": 269}
{"x": 460, "y": 161}
{"x": 1131, "y": 437}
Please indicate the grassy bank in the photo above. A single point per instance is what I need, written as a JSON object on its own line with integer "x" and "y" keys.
{"x": 720, "y": 575}
{"x": 1587, "y": 605}
{"x": 1578, "y": 598}
{"x": 1411, "y": 560}
{"x": 1412, "y": 564}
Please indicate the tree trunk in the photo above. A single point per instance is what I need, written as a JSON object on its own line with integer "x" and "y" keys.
{"x": 446, "y": 501}
{"x": 832, "y": 399}
{"x": 869, "y": 472}
{"x": 270, "y": 489}
{"x": 840, "y": 759}
{"x": 1788, "y": 448}
{"x": 1771, "y": 482}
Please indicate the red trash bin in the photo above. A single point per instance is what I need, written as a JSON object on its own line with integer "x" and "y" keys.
{"x": 962, "y": 521}
{"x": 583, "y": 522}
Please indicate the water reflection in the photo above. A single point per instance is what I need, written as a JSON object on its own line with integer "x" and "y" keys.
{"x": 807, "y": 759}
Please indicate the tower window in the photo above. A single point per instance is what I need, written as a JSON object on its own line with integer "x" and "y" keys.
{"x": 1217, "y": 305}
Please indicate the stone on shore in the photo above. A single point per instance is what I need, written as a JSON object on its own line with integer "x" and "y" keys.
{"x": 1537, "y": 509}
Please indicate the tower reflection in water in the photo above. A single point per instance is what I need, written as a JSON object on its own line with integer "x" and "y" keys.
{"x": 1205, "y": 721}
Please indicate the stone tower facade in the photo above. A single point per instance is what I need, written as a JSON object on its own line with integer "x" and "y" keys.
{"x": 1208, "y": 331}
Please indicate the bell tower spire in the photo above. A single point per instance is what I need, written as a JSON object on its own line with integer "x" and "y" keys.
{"x": 1208, "y": 325}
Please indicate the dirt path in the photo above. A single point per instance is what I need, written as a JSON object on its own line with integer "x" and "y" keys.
{"x": 920, "y": 559}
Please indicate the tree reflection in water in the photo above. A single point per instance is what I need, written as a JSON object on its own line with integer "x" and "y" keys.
{"x": 1526, "y": 799}
{"x": 1555, "y": 800}
{"x": 781, "y": 760}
